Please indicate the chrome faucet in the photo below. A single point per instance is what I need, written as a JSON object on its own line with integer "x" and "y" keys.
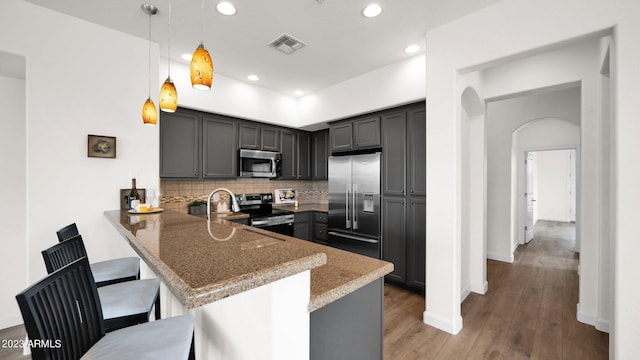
{"x": 235, "y": 207}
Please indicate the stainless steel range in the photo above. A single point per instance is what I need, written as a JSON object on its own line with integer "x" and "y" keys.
{"x": 263, "y": 215}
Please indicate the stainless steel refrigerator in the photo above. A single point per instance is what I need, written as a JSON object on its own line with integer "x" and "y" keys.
{"x": 354, "y": 203}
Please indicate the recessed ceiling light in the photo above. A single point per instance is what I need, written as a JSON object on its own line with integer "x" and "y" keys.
{"x": 253, "y": 77}
{"x": 372, "y": 10}
{"x": 412, "y": 49}
{"x": 186, "y": 57}
{"x": 298, "y": 93}
{"x": 226, "y": 8}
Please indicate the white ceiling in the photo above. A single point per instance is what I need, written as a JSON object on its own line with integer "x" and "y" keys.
{"x": 341, "y": 43}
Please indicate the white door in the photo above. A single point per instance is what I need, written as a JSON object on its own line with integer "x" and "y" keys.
{"x": 528, "y": 229}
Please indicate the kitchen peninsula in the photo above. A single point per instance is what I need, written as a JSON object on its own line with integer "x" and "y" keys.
{"x": 257, "y": 294}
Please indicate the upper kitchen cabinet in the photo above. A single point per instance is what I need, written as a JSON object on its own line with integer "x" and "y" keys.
{"x": 362, "y": 133}
{"x": 404, "y": 154}
{"x": 288, "y": 150}
{"x": 219, "y": 147}
{"x": 180, "y": 145}
{"x": 417, "y": 157}
{"x": 257, "y": 137}
{"x": 320, "y": 155}
{"x": 304, "y": 155}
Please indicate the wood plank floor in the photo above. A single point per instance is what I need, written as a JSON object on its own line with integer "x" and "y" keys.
{"x": 529, "y": 311}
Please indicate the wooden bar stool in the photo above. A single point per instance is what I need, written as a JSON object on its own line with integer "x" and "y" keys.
{"x": 110, "y": 271}
{"x": 62, "y": 313}
{"x": 123, "y": 304}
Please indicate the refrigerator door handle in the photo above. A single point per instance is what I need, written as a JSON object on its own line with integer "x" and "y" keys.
{"x": 346, "y": 205}
{"x": 353, "y": 237}
{"x": 354, "y": 206}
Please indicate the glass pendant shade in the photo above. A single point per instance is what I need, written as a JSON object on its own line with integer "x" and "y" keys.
{"x": 201, "y": 69}
{"x": 168, "y": 96}
{"x": 149, "y": 113}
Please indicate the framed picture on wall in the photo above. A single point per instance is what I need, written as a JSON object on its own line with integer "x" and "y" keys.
{"x": 101, "y": 146}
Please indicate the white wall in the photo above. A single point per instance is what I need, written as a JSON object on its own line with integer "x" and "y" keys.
{"x": 13, "y": 197}
{"x": 454, "y": 47}
{"x": 399, "y": 83}
{"x": 554, "y": 183}
{"x": 504, "y": 117}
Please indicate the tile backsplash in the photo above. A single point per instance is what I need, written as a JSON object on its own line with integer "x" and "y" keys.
{"x": 177, "y": 194}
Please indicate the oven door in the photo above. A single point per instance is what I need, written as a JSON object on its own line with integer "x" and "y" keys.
{"x": 284, "y": 226}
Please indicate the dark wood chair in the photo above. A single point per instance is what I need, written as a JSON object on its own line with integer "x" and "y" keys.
{"x": 106, "y": 272}
{"x": 123, "y": 304}
{"x": 63, "y": 318}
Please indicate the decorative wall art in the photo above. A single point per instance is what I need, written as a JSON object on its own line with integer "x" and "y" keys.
{"x": 101, "y": 146}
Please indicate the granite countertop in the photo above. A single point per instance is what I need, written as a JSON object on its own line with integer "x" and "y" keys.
{"x": 200, "y": 271}
{"x": 204, "y": 261}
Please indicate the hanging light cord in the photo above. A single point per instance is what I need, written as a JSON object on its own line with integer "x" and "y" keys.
{"x": 149, "y": 56}
{"x": 202, "y": 22}
{"x": 169, "y": 45}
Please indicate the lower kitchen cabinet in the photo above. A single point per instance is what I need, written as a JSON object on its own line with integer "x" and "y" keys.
{"x": 320, "y": 227}
{"x": 350, "y": 327}
{"x": 403, "y": 239}
{"x": 302, "y": 226}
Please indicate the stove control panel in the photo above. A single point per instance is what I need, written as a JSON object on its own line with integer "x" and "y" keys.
{"x": 254, "y": 199}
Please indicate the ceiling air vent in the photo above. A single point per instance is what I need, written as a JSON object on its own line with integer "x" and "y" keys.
{"x": 287, "y": 44}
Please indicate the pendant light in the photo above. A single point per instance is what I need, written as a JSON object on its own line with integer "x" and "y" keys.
{"x": 168, "y": 93}
{"x": 149, "y": 111}
{"x": 201, "y": 63}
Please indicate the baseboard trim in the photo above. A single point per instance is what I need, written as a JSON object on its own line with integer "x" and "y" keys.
{"x": 499, "y": 257}
{"x": 584, "y": 317}
{"x": 10, "y": 321}
{"x": 602, "y": 325}
{"x": 465, "y": 292}
{"x": 480, "y": 289}
{"x": 438, "y": 322}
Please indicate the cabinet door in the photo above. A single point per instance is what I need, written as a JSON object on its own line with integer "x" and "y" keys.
{"x": 416, "y": 242}
{"x": 270, "y": 138}
{"x": 417, "y": 140}
{"x": 341, "y": 137}
{"x": 320, "y": 155}
{"x": 394, "y": 236}
{"x": 288, "y": 150}
{"x": 179, "y": 145}
{"x": 302, "y": 226}
{"x": 249, "y": 136}
{"x": 394, "y": 156}
{"x": 303, "y": 155}
{"x": 366, "y": 133}
{"x": 219, "y": 147}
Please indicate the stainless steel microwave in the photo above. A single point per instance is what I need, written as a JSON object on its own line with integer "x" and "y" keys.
{"x": 259, "y": 163}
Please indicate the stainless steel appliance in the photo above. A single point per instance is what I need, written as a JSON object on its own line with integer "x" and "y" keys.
{"x": 263, "y": 215}
{"x": 259, "y": 163}
{"x": 354, "y": 203}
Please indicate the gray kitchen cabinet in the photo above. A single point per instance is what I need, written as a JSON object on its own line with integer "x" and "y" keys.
{"x": 320, "y": 155}
{"x": 302, "y": 225}
{"x": 394, "y": 154}
{"x": 416, "y": 242}
{"x": 288, "y": 150}
{"x": 258, "y": 137}
{"x": 180, "y": 145}
{"x": 249, "y": 135}
{"x": 320, "y": 227}
{"x": 303, "y": 155}
{"x": 270, "y": 138}
{"x": 219, "y": 147}
{"x": 351, "y": 327}
{"x": 394, "y": 236}
{"x": 358, "y": 134}
{"x": 417, "y": 157}
{"x": 403, "y": 190}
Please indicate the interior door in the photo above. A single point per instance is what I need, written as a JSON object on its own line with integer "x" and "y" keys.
{"x": 528, "y": 230}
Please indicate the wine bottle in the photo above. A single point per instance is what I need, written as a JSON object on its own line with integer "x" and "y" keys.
{"x": 133, "y": 195}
